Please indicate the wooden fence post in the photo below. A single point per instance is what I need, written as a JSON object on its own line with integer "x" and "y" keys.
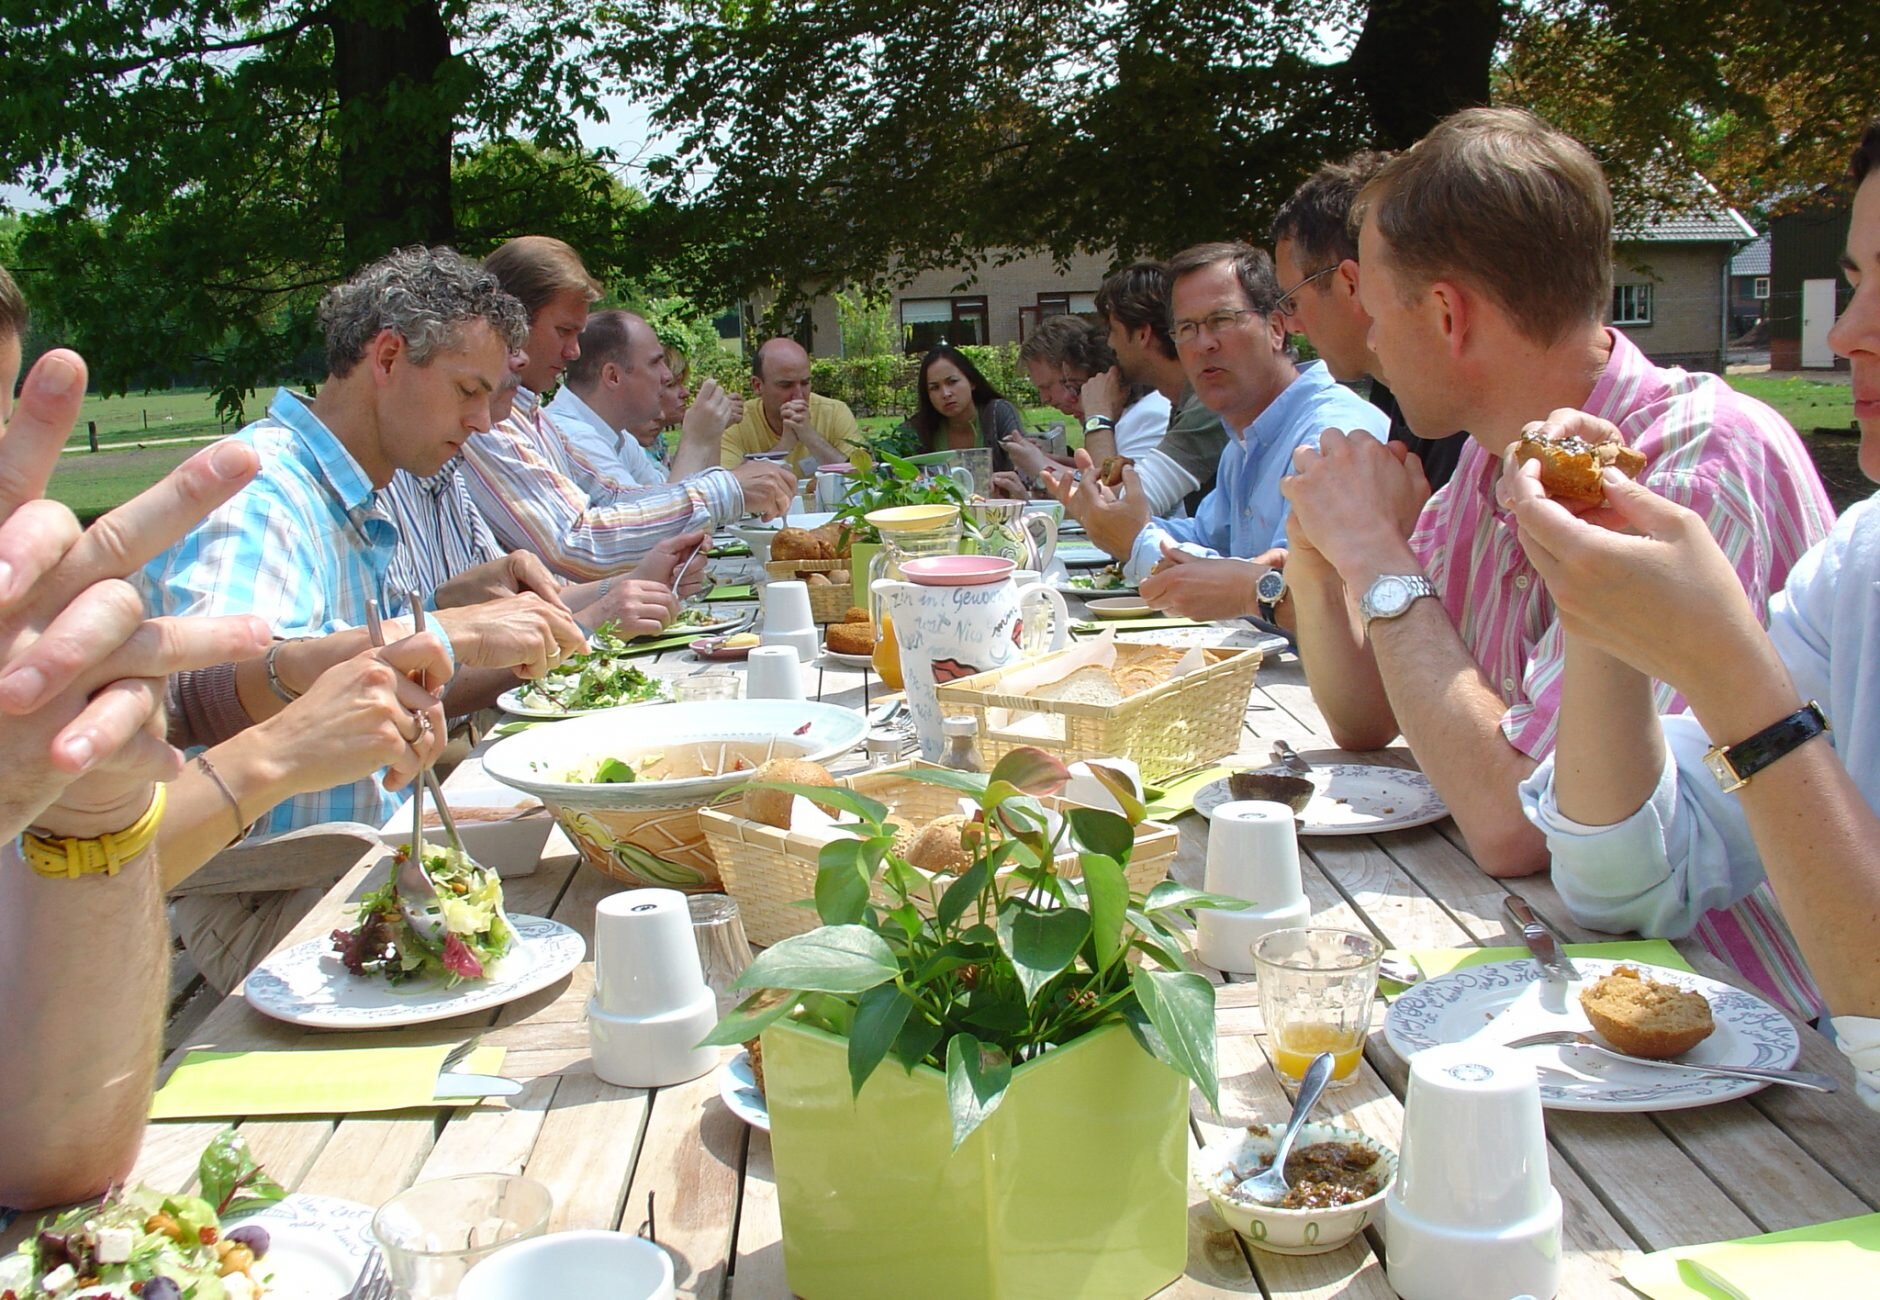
{"x": 91, "y": 431}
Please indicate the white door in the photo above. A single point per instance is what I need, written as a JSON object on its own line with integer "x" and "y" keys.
{"x": 1817, "y": 316}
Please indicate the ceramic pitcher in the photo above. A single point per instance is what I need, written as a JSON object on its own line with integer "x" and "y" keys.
{"x": 949, "y": 632}
{"x": 1005, "y": 528}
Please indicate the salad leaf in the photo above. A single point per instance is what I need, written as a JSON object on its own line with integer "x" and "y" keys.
{"x": 599, "y": 679}
{"x": 614, "y": 771}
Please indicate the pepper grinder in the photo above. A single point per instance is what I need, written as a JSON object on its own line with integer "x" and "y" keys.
{"x": 1253, "y": 854}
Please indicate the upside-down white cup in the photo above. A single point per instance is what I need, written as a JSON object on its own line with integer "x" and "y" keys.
{"x": 787, "y": 619}
{"x": 1253, "y": 854}
{"x": 1473, "y": 1213}
{"x": 773, "y": 672}
{"x": 651, "y": 1004}
{"x": 590, "y": 1262}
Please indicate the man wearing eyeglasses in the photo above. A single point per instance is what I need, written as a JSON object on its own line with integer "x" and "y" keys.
{"x": 1232, "y": 342}
{"x": 1316, "y": 252}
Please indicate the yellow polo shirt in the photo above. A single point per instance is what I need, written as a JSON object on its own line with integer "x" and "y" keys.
{"x": 832, "y": 421}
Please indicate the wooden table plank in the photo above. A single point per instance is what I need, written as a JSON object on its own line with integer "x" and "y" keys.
{"x": 693, "y": 1161}
{"x": 587, "y": 1150}
{"x": 757, "y": 1273}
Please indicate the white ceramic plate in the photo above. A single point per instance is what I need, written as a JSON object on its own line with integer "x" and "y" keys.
{"x": 851, "y": 661}
{"x": 715, "y": 625}
{"x": 1353, "y": 799}
{"x": 1083, "y": 555}
{"x": 1064, "y": 587}
{"x": 1506, "y": 1000}
{"x": 307, "y": 984}
{"x": 738, "y": 1086}
{"x": 1227, "y": 636}
{"x": 316, "y": 1247}
{"x": 510, "y": 702}
{"x": 1121, "y": 607}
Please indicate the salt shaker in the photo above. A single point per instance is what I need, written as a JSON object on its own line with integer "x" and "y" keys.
{"x": 962, "y": 751}
{"x": 884, "y": 748}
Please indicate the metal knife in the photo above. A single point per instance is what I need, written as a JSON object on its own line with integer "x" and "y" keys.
{"x": 455, "y": 1084}
{"x": 1540, "y": 940}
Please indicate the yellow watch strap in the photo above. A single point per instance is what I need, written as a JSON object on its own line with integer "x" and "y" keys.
{"x": 71, "y": 858}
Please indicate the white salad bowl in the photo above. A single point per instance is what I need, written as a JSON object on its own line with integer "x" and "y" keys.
{"x": 646, "y": 832}
{"x": 1220, "y": 1167}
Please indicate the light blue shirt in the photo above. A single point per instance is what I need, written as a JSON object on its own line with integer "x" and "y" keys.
{"x": 1689, "y": 850}
{"x": 303, "y": 548}
{"x": 1244, "y": 514}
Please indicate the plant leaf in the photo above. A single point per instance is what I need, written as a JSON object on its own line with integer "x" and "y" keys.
{"x": 842, "y": 880}
{"x": 833, "y": 959}
{"x": 869, "y": 810}
{"x": 907, "y": 916}
{"x": 747, "y": 1020}
{"x": 1041, "y": 942}
{"x": 1102, "y": 832}
{"x": 919, "y": 1036}
{"x": 232, "y": 1179}
{"x": 878, "y": 1020}
{"x": 1031, "y": 770}
{"x": 973, "y": 783}
{"x": 1153, "y": 939}
{"x": 1106, "y": 890}
{"x": 960, "y": 894}
{"x": 1180, "y": 1004}
{"x": 977, "y": 1077}
{"x": 1172, "y": 894}
{"x": 1122, "y": 790}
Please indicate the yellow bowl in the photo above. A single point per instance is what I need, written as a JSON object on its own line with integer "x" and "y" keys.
{"x": 907, "y": 519}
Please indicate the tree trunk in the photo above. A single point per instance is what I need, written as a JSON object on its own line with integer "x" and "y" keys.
{"x": 1417, "y": 61}
{"x": 395, "y": 124}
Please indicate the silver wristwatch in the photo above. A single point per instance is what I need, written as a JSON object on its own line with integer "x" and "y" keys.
{"x": 1391, "y": 594}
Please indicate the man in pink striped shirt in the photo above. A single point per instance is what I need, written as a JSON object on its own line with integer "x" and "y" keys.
{"x": 1487, "y": 251}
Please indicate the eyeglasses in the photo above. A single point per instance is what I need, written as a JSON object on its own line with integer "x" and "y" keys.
{"x": 1072, "y": 387}
{"x": 1287, "y": 307}
{"x": 1215, "y": 323}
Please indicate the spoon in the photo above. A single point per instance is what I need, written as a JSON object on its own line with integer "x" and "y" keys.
{"x": 1574, "y": 1038}
{"x": 1270, "y": 1186}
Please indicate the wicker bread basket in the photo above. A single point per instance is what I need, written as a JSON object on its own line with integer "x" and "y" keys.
{"x": 826, "y": 604}
{"x": 772, "y": 872}
{"x": 1166, "y": 729}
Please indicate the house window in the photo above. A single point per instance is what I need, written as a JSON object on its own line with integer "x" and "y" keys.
{"x": 1760, "y": 290}
{"x": 928, "y": 322}
{"x": 1067, "y": 304}
{"x": 1631, "y": 304}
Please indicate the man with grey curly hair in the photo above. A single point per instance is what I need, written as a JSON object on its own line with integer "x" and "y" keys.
{"x": 418, "y": 345}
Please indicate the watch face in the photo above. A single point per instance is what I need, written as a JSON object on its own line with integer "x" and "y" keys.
{"x": 1388, "y": 596}
{"x": 1272, "y": 586}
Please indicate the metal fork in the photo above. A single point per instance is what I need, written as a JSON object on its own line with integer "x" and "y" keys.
{"x": 1807, "y": 1079}
{"x": 374, "y": 1283}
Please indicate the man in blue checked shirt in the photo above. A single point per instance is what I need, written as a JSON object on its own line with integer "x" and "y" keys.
{"x": 1231, "y": 337}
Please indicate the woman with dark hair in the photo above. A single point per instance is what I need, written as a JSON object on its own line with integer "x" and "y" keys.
{"x": 1642, "y": 837}
{"x": 957, "y": 408}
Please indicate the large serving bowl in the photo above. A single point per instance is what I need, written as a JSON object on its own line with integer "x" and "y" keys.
{"x": 647, "y": 832}
{"x": 1220, "y": 1166}
{"x": 759, "y": 536}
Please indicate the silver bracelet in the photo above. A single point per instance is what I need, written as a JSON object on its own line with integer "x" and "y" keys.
{"x": 275, "y": 684}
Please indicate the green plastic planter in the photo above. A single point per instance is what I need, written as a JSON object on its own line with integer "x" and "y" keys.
{"x": 1075, "y": 1187}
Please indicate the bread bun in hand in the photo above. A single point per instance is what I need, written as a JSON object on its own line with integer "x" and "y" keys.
{"x": 1571, "y": 467}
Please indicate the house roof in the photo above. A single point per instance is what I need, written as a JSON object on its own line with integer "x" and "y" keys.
{"x": 1753, "y": 260}
{"x": 1702, "y": 225}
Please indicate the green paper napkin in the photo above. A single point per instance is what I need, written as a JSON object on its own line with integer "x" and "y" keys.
{"x": 233, "y": 1085}
{"x": 1178, "y": 796}
{"x": 729, "y": 549}
{"x": 740, "y": 591}
{"x": 1653, "y": 952}
{"x": 1826, "y": 1259}
{"x": 673, "y": 642}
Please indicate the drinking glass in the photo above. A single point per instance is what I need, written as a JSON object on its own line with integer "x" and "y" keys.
{"x": 1316, "y": 990}
{"x": 723, "y": 950}
{"x": 434, "y": 1232}
{"x": 715, "y": 685}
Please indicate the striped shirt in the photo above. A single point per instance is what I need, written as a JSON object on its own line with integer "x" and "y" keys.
{"x": 1727, "y": 457}
{"x": 441, "y": 532}
{"x": 303, "y": 547}
{"x": 540, "y": 494}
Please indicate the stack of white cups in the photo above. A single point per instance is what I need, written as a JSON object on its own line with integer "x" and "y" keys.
{"x": 651, "y": 1004}
{"x": 1253, "y": 854}
{"x": 787, "y": 619}
{"x": 1473, "y": 1213}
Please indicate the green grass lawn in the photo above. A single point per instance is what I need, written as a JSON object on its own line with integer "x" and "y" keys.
{"x": 91, "y": 485}
{"x": 1036, "y": 418}
{"x": 1808, "y": 404}
{"x": 145, "y": 417}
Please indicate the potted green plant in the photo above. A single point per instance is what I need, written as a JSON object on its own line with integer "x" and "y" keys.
{"x": 981, "y": 1088}
{"x": 890, "y": 480}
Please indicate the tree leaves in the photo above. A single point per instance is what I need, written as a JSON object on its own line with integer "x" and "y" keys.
{"x": 977, "y": 1077}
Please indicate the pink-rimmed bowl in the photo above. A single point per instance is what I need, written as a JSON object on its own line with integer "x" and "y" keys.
{"x": 958, "y": 570}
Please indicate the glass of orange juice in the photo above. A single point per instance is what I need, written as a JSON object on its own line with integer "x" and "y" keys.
{"x": 1316, "y": 990}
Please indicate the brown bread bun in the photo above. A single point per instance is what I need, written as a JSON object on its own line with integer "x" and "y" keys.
{"x": 1570, "y": 467}
{"x": 795, "y": 544}
{"x": 936, "y": 846}
{"x": 850, "y": 638}
{"x": 1645, "y": 1017}
{"x": 772, "y": 807}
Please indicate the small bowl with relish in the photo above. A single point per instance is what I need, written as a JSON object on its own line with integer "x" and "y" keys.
{"x": 1339, "y": 1177}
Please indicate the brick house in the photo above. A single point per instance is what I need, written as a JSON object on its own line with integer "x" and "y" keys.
{"x": 1670, "y": 285}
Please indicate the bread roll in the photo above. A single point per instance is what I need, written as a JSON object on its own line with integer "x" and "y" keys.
{"x": 850, "y": 638}
{"x": 937, "y": 846}
{"x": 1570, "y": 467}
{"x": 772, "y": 807}
{"x": 1646, "y": 1017}
{"x": 795, "y": 544}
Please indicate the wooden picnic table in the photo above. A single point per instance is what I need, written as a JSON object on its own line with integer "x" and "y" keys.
{"x": 1631, "y": 1182}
